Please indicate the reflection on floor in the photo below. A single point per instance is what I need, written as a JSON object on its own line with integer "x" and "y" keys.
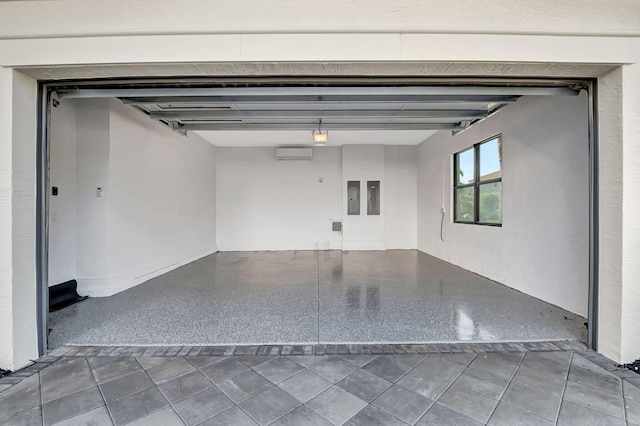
{"x": 305, "y": 297}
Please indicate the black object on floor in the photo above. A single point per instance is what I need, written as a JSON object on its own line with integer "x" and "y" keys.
{"x": 63, "y": 295}
{"x": 634, "y": 366}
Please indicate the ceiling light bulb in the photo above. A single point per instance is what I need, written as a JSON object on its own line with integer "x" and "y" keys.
{"x": 320, "y": 138}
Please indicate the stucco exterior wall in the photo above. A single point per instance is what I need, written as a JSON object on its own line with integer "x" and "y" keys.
{"x": 90, "y": 39}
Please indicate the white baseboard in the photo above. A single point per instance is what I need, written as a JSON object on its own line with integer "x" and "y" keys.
{"x": 364, "y": 245}
{"x": 108, "y": 286}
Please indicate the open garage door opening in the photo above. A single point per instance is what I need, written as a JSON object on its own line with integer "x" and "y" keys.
{"x": 198, "y": 212}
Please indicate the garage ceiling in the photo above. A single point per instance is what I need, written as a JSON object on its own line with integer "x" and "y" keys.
{"x": 239, "y": 115}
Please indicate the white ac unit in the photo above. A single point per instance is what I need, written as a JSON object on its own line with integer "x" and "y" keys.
{"x": 294, "y": 153}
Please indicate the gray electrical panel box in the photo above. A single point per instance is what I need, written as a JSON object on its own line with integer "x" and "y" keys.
{"x": 353, "y": 197}
{"x": 373, "y": 197}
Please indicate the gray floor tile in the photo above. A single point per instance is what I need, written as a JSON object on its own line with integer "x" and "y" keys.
{"x": 30, "y": 417}
{"x": 365, "y": 386}
{"x": 595, "y": 399}
{"x": 106, "y": 369}
{"x": 306, "y": 361}
{"x": 203, "y": 361}
{"x": 501, "y": 364}
{"x": 234, "y": 416}
{"x": 168, "y": 369}
{"x": 67, "y": 376}
{"x": 184, "y": 386}
{"x": 553, "y": 363}
{"x": 403, "y": 404}
{"x": 148, "y": 362}
{"x": 97, "y": 417}
{"x": 302, "y": 415}
{"x": 20, "y": 397}
{"x": 578, "y": 415}
{"x": 254, "y": 361}
{"x": 243, "y": 386}
{"x": 431, "y": 377}
{"x": 223, "y": 370}
{"x": 439, "y": 366}
{"x": 125, "y": 385}
{"x": 71, "y": 405}
{"x": 541, "y": 381}
{"x": 633, "y": 411}
{"x": 631, "y": 392}
{"x": 391, "y": 368}
{"x": 470, "y": 403}
{"x": 336, "y": 405}
{"x": 269, "y": 405}
{"x": 430, "y": 388}
{"x": 372, "y": 416}
{"x": 137, "y": 405}
{"x": 483, "y": 381}
{"x": 459, "y": 358}
{"x": 202, "y": 405}
{"x": 304, "y": 385}
{"x": 543, "y": 404}
{"x": 439, "y": 415}
{"x": 603, "y": 382}
{"x": 359, "y": 360}
{"x": 278, "y": 369}
{"x": 164, "y": 417}
{"x": 509, "y": 415}
{"x": 333, "y": 368}
{"x": 587, "y": 373}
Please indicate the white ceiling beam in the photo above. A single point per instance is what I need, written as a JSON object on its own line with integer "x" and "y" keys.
{"x": 371, "y": 113}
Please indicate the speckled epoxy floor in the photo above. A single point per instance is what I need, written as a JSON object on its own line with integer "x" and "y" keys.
{"x": 302, "y": 297}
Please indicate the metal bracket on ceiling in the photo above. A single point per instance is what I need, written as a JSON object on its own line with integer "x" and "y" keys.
{"x": 578, "y": 87}
{"x": 175, "y": 126}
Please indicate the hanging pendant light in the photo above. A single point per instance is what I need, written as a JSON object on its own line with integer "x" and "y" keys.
{"x": 319, "y": 137}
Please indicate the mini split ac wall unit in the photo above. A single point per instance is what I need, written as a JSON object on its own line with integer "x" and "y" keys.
{"x": 294, "y": 153}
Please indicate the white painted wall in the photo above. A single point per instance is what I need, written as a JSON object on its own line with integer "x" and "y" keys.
{"x": 401, "y": 201}
{"x": 357, "y": 16}
{"x": 364, "y": 163}
{"x": 162, "y": 193}
{"x": 92, "y": 225}
{"x": 542, "y": 247}
{"x": 266, "y": 204}
{"x": 62, "y": 208}
{"x": 18, "y": 338}
{"x": 157, "y": 208}
{"x": 631, "y": 237}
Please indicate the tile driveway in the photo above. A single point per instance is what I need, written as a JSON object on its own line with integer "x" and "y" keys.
{"x": 540, "y": 384}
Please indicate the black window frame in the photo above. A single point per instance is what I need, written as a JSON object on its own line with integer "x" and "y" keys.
{"x": 476, "y": 182}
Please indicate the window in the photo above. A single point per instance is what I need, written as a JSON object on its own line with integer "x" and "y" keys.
{"x": 478, "y": 183}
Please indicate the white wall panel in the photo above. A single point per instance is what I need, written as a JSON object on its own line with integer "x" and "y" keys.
{"x": 62, "y": 208}
{"x": 364, "y": 163}
{"x": 542, "y": 247}
{"x": 401, "y": 204}
{"x": 266, "y": 204}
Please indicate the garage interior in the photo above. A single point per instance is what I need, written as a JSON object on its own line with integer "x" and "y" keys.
{"x": 203, "y": 214}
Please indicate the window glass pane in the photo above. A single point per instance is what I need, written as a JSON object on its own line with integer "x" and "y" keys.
{"x": 491, "y": 203}
{"x": 464, "y": 204}
{"x": 464, "y": 167}
{"x": 490, "y": 160}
